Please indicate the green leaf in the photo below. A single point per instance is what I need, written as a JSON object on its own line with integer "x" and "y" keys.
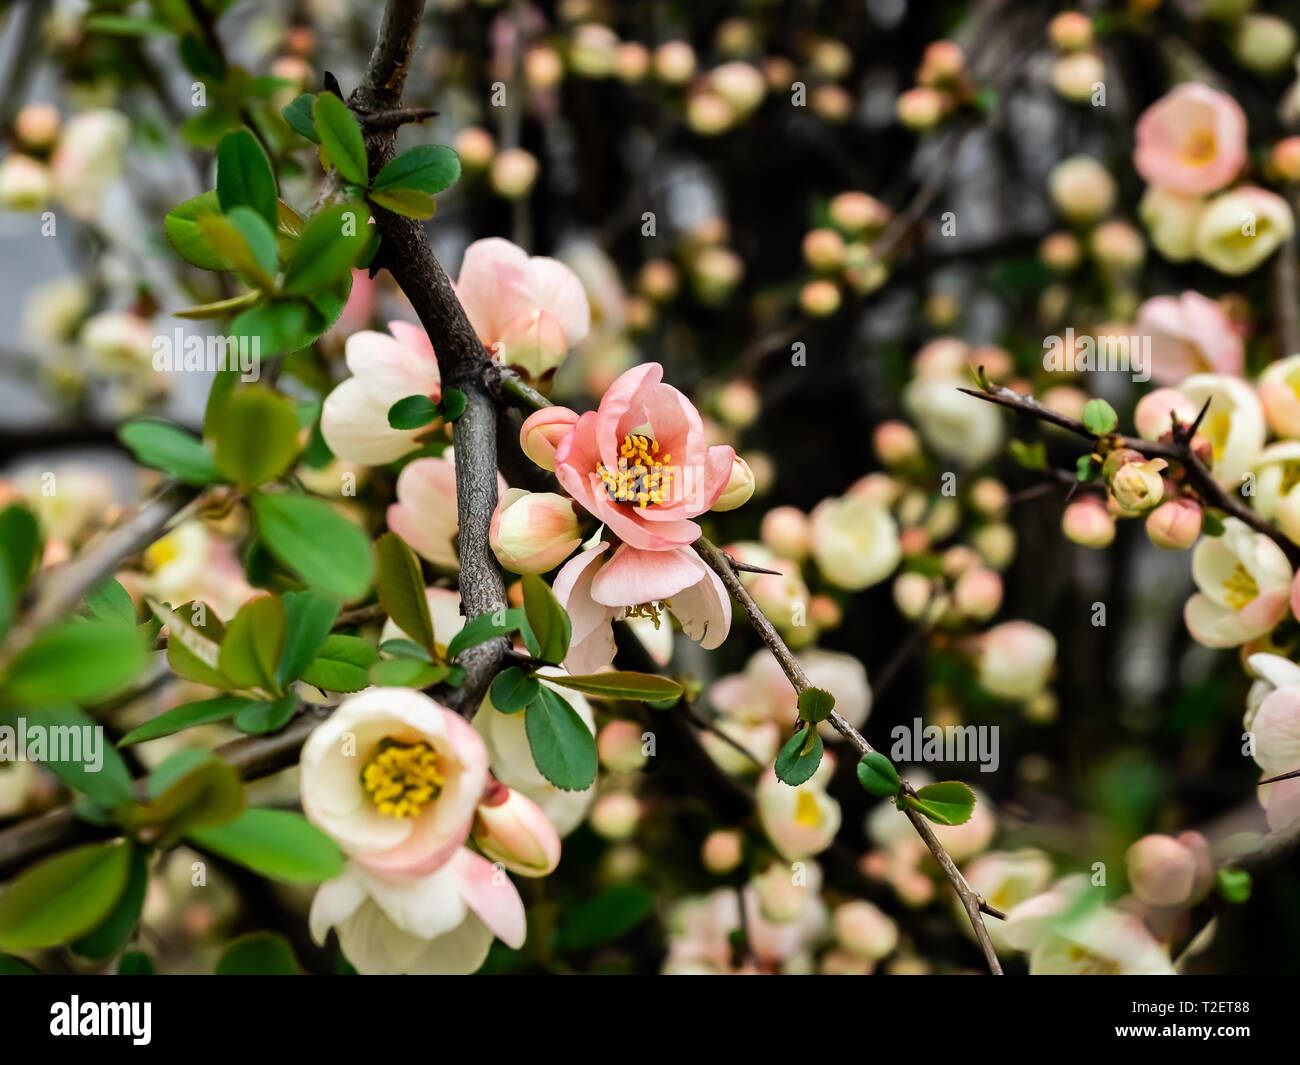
{"x": 799, "y": 758}
{"x": 262, "y": 716}
{"x": 485, "y": 627}
{"x": 1030, "y": 456}
{"x": 950, "y": 802}
{"x": 253, "y": 643}
{"x": 1099, "y": 417}
{"x": 185, "y": 232}
{"x": 228, "y": 241}
{"x": 409, "y": 203}
{"x": 563, "y": 748}
{"x": 259, "y": 954}
{"x": 406, "y": 673}
{"x": 276, "y": 327}
{"x": 427, "y": 167}
{"x": 175, "y": 766}
{"x": 316, "y": 542}
{"x": 340, "y": 137}
{"x": 111, "y": 602}
{"x": 622, "y": 684}
{"x": 400, "y": 647}
{"x": 169, "y": 448}
{"x": 135, "y": 963}
{"x": 20, "y": 546}
{"x": 299, "y": 116}
{"x": 256, "y": 436}
{"x": 278, "y": 844}
{"x": 244, "y": 175}
{"x": 1212, "y": 523}
{"x": 513, "y": 689}
{"x": 78, "y": 662}
{"x": 63, "y": 897}
{"x": 209, "y": 794}
{"x": 328, "y": 249}
{"x": 547, "y": 619}
{"x": 112, "y": 934}
{"x": 194, "y": 651}
{"x": 1233, "y": 884}
{"x": 413, "y": 412}
{"x": 453, "y": 404}
{"x": 190, "y": 715}
{"x": 220, "y": 308}
{"x": 877, "y": 775}
{"x": 815, "y": 705}
{"x": 400, "y": 586}
{"x": 607, "y": 916}
{"x": 260, "y": 235}
{"x": 310, "y": 616}
{"x": 14, "y": 966}
{"x": 1087, "y": 468}
{"x": 108, "y": 782}
{"x": 343, "y": 664}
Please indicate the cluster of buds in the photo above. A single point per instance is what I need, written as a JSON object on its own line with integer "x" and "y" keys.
{"x": 839, "y": 254}
{"x": 1077, "y": 71}
{"x": 941, "y": 87}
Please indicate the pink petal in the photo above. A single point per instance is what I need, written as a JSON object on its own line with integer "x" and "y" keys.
{"x": 634, "y": 576}
{"x": 492, "y": 896}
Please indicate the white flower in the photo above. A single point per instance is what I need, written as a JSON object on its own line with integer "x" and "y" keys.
{"x": 1241, "y": 227}
{"x": 1015, "y": 659}
{"x": 1277, "y": 486}
{"x": 1234, "y": 424}
{"x": 957, "y": 426}
{"x": 800, "y": 821}
{"x": 1244, "y": 579}
{"x": 854, "y": 541}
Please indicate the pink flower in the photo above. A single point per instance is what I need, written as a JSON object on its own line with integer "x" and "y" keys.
{"x": 633, "y": 582}
{"x": 354, "y": 420}
{"x": 535, "y": 308}
{"x": 1192, "y": 140}
{"x": 438, "y": 924}
{"x": 1189, "y": 334}
{"x": 511, "y": 829}
{"x": 641, "y": 464}
{"x": 394, "y": 778}
{"x": 425, "y": 514}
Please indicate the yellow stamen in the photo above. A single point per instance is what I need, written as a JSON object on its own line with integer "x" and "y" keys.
{"x": 1200, "y": 148}
{"x": 402, "y": 777}
{"x": 643, "y": 476}
{"x": 1241, "y": 588}
{"x": 806, "y": 812}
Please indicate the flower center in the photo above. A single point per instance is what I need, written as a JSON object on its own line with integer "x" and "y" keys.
{"x": 650, "y": 611}
{"x": 1199, "y": 148}
{"x": 643, "y": 475}
{"x": 1241, "y": 587}
{"x": 402, "y": 777}
{"x": 806, "y": 812}
{"x": 1093, "y": 964}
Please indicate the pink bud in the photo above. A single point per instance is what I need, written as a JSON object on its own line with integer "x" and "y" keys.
{"x": 921, "y": 108}
{"x": 787, "y": 532}
{"x": 1088, "y": 523}
{"x": 1175, "y": 524}
{"x": 722, "y": 851}
{"x": 978, "y": 594}
{"x": 1156, "y": 411}
{"x": 620, "y": 747}
{"x": 511, "y": 829}
{"x": 542, "y": 432}
{"x": 532, "y": 532}
{"x": 895, "y": 443}
{"x": 1161, "y": 871}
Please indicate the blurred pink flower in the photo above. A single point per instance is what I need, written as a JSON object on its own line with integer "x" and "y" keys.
{"x": 1189, "y": 334}
{"x": 1191, "y": 140}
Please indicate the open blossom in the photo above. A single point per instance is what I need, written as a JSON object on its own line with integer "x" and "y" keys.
{"x": 527, "y": 311}
{"x": 1189, "y": 334}
{"x": 1234, "y": 424}
{"x": 800, "y": 821}
{"x": 1279, "y": 392}
{"x": 1277, "y": 486}
{"x": 1241, "y": 228}
{"x": 1191, "y": 140}
{"x": 854, "y": 541}
{"x": 1006, "y": 879}
{"x": 1015, "y": 659}
{"x": 1097, "y": 941}
{"x": 439, "y": 924}
{"x": 597, "y": 590}
{"x": 954, "y": 424}
{"x": 1273, "y": 720}
{"x": 641, "y": 464}
{"x": 425, "y": 514}
{"x": 1157, "y": 411}
{"x": 354, "y": 419}
{"x": 1170, "y": 218}
{"x": 394, "y": 778}
{"x": 1244, "y": 579}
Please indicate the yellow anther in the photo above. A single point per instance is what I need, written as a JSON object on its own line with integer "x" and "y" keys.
{"x": 401, "y": 777}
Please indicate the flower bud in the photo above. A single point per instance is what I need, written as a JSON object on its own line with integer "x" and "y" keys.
{"x": 1285, "y": 158}
{"x": 658, "y": 280}
{"x": 543, "y": 67}
{"x": 1171, "y": 219}
{"x": 1082, "y": 189}
{"x": 708, "y": 114}
{"x": 823, "y": 249}
{"x": 542, "y": 432}
{"x": 513, "y": 173}
{"x": 24, "y": 183}
{"x": 1175, "y": 524}
{"x": 857, "y": 214}
{"x": 912, "y": 594}
{"x": 740, "y": 85}
{"x": 722, "y": 851}
{"x": 787, "y": 532}
{"x": 863, "y": 929}
{"x": 475, "y": 146}
{"x": 819, "y": 299}
{"x": 1060, "y": 252}
{"x": 1264, "y": 43}
{"x": 1156, "y": 411}
{"x": 1075, "y": 76}
{"x": 511, "y": 829}
{"x": 740, "y": 486}
{"x": 674, "y": 62}
{"x": 921, "y": 108}
{"x": 1070, "y": 31}
{"x": 36, "y": 126}
{"x": 532, "y": 532}
{"x": 941, "y": 64}
{"x": 593, "y": 50}
{"x": 620, "y": 747}
{"x": 615, "y": 816}
{"x": 989, "y": 497}
{"x": 1088, "y": 523}
{"x": 1161, "y": 871}
{"x": 996, "y": 542}
{"x": 739, "y": 404}
{"x": 1118, "y": 245}
{"x": 978, "y": 594}
{"x": 896, "y": 443}
{"x": 1240, "y": 228}
{"x": 632, "y": 62}
{"x": 1138, "y": 485}
{"x": 533, "y": 342}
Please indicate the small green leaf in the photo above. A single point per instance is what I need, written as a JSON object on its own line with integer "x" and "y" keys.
{"x": 605, "y": 917}
{"x": 343, "y": 664}
{"x": 340, "y": 137}
{"x": 277, "y": 844}
{"x": 950, "y": 802}
{"x": 78, "y": 662}
{"x": 111, "y": 602}
{"x": 622, "y": 684}
{"x": 513, "y": 689}
{"x": 413, "y": 412}
{"x": 1212, "y": 523}
{"x": 299, "y": 116}
{"x": 563, "y": 748}
{"x": 253, "y": 643}
{"x": 1087, "y": 468}
{"x": 185, "y": 232}
{"x": 327, "y": 250}
{"x": 264, "y": 716}
{"x": 169, "y": 448}
{"x": 1030, "y": 456}
{"x": 799, "y": 758}
{"x": 815, "y": 705}
{"x": 259, "y": 954}
{"x": 244, "y": 175}
{"x": 112, "y": 934}
{"x": 400, "y": 587}
{"x": 409, "y": 203}
{"x": 189, "y": 715}
{"x": 194, "y": 649}
{"x": 317, "y": 543}
{"x": 1233, "y": 884}
{"x": 101, "y": 774}
{"x": 256, "y": 436}
{"x": 877, "y": 775}
{"x": 406, "y": 673}
{"x": 453, "y": 404}
{"x": 260, "y": 235}
{"x": 485, "y": 627}
{"x": 1099, "y": 417}
{"x": 547, "y": 619}
{"x": 430, "y": 168}
{"x": 135, "y": 963}
{"x": 310, "y": 615}
{"x": 63, "y": 897}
